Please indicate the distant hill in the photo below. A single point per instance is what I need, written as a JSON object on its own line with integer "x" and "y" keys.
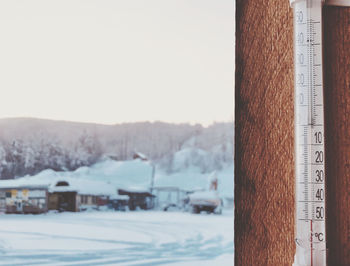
{"x": 28, "y": 146}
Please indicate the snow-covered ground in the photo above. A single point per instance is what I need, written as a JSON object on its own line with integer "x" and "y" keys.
{"x": 117, "y": 238}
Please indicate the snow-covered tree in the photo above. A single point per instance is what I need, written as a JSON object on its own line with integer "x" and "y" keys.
{"x": 28, "y": 147}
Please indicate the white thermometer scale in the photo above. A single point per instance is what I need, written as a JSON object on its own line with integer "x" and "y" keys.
{"x": 310, "y": 236}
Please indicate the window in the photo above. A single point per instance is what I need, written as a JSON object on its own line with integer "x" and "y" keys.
{"x": 83, "y": 199}
{"x": 62, "y": 184}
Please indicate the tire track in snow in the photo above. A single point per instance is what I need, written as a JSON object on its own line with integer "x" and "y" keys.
{"x": 170, "y": 240}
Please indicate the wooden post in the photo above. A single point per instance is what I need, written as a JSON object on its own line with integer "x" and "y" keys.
{"x": 264, "y": 150}
{"x": 264, "y": 134}
{"x": 337, "y": 132}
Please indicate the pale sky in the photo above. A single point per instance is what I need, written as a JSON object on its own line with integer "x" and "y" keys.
{"x": 113, "y": 61}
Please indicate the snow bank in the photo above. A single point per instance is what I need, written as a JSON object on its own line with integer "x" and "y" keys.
{"x": 192, "y": 178}
{"x": 122, "y": 174}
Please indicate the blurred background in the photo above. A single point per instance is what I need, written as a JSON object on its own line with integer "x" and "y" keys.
{"x": 116, "y": 129}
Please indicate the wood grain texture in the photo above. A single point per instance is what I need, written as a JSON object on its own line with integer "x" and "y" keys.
{"x": 264, "y": 149}
{"x": 337, "y": 132}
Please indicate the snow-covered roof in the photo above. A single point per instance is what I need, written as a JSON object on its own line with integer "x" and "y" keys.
{"x": 12, "y": 185}
{"x": 136, "y": 189}
{"x": 103, "y": 178}
{"x": 106, "y": 177}
{"x": 140, "y": 155}
{"x": 83, "y": 186}
{"x": 77, "y": 185}
{"x": 119, "y": 197}
{"x": 23, "y": 182}
{"x": 208, "y": 195}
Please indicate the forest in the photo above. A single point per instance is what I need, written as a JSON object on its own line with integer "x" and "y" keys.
{"x": 28, "y": 146}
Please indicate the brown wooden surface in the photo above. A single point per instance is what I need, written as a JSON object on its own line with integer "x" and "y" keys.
{"x": 264, "y": 136}
{"x": 337, "y": 132}
{"x": 264, "y": 167}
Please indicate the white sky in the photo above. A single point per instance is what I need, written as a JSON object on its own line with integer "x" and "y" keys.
{"x": 112, "y": 61}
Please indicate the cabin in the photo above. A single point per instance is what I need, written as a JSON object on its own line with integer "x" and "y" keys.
{"x": 30, "y": 199}
{"x": 138, "y": 198}
{"x": 63, "y": 197}
{"x": 79, "y": 195}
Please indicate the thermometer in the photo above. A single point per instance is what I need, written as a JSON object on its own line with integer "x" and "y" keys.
{"x": 310, "y": 195}
{"x": 309, "y": 134}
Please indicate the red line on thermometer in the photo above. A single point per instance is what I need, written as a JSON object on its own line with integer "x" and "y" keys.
{"x": 311, "y": 241}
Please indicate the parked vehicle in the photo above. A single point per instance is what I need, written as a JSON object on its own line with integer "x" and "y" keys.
{"x": 208, "y": 201}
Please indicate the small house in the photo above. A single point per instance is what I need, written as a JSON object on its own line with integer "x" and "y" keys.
{"x": 79, "y": 195}
{"x": 63, "y": 197}
{"x": 23, "y": 199}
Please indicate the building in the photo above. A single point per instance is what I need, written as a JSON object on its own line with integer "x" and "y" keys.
{"x": 38, "y": 195}
{"x": 23, "y": 198}
{"x": 138, "y": 198}
{"x": 79, "y": 195}
{"x": 140, "y": 156}
{"x": 119, "y": 202}
{"x": 169, "y": 196}
{"x": 63, "y": 197}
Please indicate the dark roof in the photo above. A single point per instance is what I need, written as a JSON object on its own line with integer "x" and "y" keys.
{"x": 135, "y": 193}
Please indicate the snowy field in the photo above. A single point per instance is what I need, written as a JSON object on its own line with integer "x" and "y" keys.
{"x": 117, "y": 238}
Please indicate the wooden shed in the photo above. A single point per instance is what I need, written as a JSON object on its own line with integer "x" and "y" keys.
{"x": 142, "y": 199}
{"x": 78, "y": 195}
